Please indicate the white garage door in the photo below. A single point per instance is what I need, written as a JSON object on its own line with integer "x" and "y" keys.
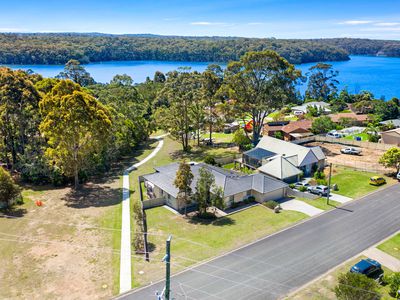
{"x": 275, "y": 195}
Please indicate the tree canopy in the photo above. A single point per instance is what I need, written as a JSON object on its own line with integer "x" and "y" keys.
{"x": 75, "y": 125}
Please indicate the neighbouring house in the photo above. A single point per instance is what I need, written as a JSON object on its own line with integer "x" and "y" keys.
{"x": 290, "y": 131}
{"x": 236, "y": 187}
{"x": 391, "y": 137}
{"x": 303, "y": 109}
{"x": 283, "y": 160}
{"x": 355, "y": 119}
{"x": 394, "y": 122}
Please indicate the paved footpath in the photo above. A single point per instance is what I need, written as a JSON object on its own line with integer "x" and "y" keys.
{"x": 283, "y": 262}
{"x": 125, "y": 275}
{"x": 385, "y": 259}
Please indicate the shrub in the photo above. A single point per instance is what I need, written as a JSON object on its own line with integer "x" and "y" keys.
{"x": 356, "y": 286}
{"x": 292, "y": 185}
{"x": 9, "y": 191}
{"x": 271, "y": 204}
{"x": 394, "y": 284}
{"x": 235, "y": 204}
{"x": 210, "y": 160}
{"x": 322, "y": 182}
{"x": 249, "y": 199}
{"x": 302, "y": 189}
{"x": 319, "y": 175}
{"x": 206, "y": 216}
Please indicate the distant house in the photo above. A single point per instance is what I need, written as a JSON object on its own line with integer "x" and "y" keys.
{"x": 391, "y": 137}
{"x": 236, "y": 187}
{"x": 303, "y": 109}
{"x": 284, "y": 160}
{"x": 355, "y": 118}
{"x": 290, "y": 131}
{"x": 394, "y": 122}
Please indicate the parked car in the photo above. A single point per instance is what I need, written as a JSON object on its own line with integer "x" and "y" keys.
{"x": 368, "y": 267}
{"x": 321, "y": 190}
{"x": 377, "y": 180}
{"x": 350, "y": 150}
{"x": 298, "y": 185}
{"x": 398, "y": 176}
{"x": 335, "y": 135}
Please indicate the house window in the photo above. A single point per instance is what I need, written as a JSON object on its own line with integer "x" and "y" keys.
{"x": 231, "y": 199}
{"x": 248, "y": 193}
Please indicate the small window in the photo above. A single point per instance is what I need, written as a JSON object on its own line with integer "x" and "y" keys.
{"x": 248, "y": 193}
{"x": 231, "y": 198}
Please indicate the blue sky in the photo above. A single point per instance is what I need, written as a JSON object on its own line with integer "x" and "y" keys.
{"x": 250, "y": 18}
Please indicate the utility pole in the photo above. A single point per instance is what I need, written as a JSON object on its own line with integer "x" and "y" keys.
{"x": 329, "y": 184}
{"x": 167, "y": 260}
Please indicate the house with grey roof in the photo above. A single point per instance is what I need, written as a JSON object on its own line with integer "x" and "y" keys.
{"x": 284, "y": 160}
{"x": 394, "y": 122}
{"x": 236, "y": 187}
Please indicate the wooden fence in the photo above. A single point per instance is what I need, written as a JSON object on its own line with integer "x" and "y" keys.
{"x": 361, "y": 144}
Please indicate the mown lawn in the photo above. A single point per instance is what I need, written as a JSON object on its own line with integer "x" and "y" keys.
{"x": 392, "y": 246}
{"x": 321, "y": 203}
{"x": 195, "y": 240}
{"x": 364, "y": 136}
{"x": 354, "y": 184}
{"x": 323, "y": 288}
{"x": 219, "y": 137}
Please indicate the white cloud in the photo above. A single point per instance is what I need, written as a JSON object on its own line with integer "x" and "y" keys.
{"x": 381, "y": 29}
{"x": 355, "y": 22}
{"x": 210, "y": 24}
{"x": 387, "y": 24}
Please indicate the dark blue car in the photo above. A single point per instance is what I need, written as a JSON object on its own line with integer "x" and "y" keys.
{"x": 368, "y": 267}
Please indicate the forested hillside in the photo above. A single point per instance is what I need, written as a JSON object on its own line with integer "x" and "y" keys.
{"x": 59, "y": 48}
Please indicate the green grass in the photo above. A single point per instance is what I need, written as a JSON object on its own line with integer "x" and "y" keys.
{"x": 113, "y": 219}
{"x": 197, "y": 240}
{"x": 392, "y": 246}
{"x": 321, "y": 203}
{"x": 354, "y": 184}
{"x": 229, "y": 166}
{"x": 219, "y": 137}
{"x": 364, "y": 136}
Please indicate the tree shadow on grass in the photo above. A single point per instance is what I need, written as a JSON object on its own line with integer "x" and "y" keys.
{"x": 93, "y": 195}
{"x": 224, "y": 221}
{"x": 13, "y": 212}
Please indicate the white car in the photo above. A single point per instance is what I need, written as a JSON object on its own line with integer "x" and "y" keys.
{"x": 335, "y": 135}
{"x": 398, "y": 176}
{"x": 350, "y": 150}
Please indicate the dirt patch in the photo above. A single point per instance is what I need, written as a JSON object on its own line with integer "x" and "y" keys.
{"x": 367, "y": 161}
{"x": 60, "y": 250}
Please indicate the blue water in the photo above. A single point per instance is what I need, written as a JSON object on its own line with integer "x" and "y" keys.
{"x": 379, "y": 75}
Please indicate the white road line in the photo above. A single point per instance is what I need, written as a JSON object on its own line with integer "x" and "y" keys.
{"x": 125, "y": 274}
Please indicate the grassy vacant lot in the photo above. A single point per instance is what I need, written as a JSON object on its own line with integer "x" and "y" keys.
{"x": 196, "y": 240}
{"x": 392, "y": 246}
{"x": 219, "y": 137}
{"x": 323, "y": 288}
{"x": 354, "y": 183}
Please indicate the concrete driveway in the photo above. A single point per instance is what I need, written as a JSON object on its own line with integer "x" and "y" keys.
{"x": 339, "y": 198}
{"x": 300, "y": 206}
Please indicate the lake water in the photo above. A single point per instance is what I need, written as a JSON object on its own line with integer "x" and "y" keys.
{"x": 380, "y": 75}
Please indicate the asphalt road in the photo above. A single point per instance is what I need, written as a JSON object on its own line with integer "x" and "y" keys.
{"x": 278, "y": 264}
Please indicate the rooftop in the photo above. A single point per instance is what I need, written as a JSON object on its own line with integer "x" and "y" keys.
{"x": 231, "y": 182}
